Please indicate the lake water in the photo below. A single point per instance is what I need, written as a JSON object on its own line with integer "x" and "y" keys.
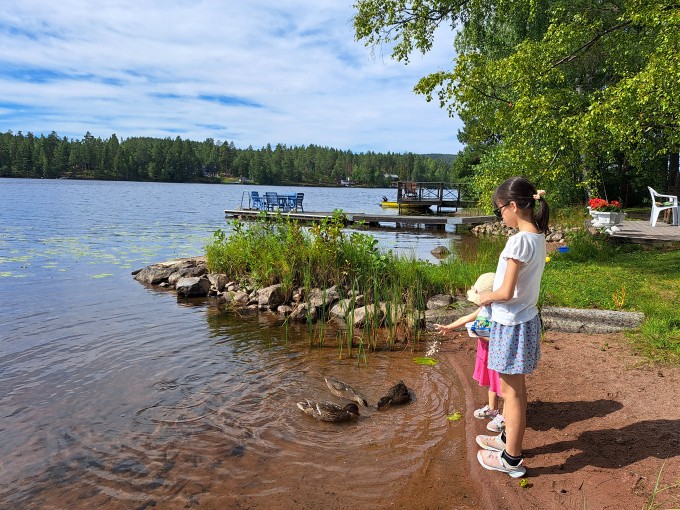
{"x": 117, "y": 396}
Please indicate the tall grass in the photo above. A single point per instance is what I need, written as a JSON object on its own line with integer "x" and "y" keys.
{"x": 594, "y": 274}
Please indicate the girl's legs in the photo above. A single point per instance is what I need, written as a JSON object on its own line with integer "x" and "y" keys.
{"x": 493, "y": 400}
{"x": 514, "y": 392}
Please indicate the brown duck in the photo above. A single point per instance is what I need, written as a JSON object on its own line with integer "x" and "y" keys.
{"x": 396, "y": 395}
{"x": 344, "y": 390}
{"x": 328, "y": 411}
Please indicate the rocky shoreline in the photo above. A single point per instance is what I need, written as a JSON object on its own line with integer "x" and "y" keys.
{"x": 190, "y": 278}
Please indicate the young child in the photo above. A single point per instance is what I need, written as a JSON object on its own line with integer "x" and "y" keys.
{"x": 514, "y": 342}
{"x": 477, "y": 324}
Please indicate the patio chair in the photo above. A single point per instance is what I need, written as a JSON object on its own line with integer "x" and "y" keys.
{"x": 298, "y": 202}
{"x": 256, "y": 201}
{"x": 661, "y": 203}
{"x": 272, "y": 199}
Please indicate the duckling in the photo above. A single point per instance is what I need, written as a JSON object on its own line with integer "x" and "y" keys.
{"x": 396, "y": 395}
{"x": 328, "y": 411}
{"x": 343, "y": 390}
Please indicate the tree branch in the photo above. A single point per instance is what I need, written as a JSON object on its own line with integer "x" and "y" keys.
{"x": 590, "y": 43}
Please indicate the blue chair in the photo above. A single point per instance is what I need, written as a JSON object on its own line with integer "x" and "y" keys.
{"x": 256, "y": 201}
{"x": 298, "y": 202}
{"x": 272, "y": 200}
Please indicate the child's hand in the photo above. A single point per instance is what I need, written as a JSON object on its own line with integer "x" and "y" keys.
{"x": 442, "y": 329}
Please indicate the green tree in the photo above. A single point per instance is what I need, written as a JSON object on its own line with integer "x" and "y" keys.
{"x": 556, "y": 90}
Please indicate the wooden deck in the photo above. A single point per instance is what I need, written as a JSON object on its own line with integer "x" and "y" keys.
{"x": 369, "y": 219}
{"x": 642, "y": 232}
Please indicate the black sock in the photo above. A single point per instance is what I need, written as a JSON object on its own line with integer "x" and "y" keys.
{"x": 513, "y": 461}
{"x": 503, "y": 437}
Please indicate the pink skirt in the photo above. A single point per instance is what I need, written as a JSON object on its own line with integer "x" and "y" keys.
{"x": 484, "y": 375}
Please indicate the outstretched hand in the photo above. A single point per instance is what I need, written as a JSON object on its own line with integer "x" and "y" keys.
{"x": 442, "y": 329}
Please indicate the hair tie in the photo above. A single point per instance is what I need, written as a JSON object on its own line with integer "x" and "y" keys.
{"x": 539, "y": 194}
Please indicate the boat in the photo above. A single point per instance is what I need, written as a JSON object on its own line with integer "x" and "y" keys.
{"x": 393, "y": 204}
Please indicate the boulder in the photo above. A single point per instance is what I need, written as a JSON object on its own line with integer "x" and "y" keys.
{"x": 270, "y": 297}
{"x": 368, "y": 313}
{"x": 574, "y": 320}
{"x": 323, "y": 298}
{"x": 240, "y": 297}
{"x": 154, "y": 275}
{"x": 301, "y": 312}
{"x": 285, "y": 310}
{"x": 194, "y": 286}
{"x": 218, "y": 281}
{"x": 439, "y": 301}
{"x": 440, "y": 252}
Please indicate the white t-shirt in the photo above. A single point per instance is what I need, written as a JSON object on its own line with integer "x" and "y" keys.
{"x": 529, "y": 250}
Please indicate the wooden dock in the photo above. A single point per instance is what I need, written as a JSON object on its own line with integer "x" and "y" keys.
{"x": 373, "y": 220}
{"x": 437, "y": 194}
{"x": 642, "y": 232}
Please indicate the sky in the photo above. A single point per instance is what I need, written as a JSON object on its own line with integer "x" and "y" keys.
{"x": 251, "y": 72}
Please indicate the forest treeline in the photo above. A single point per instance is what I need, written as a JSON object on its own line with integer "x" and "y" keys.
{"x": 177, "y": 160}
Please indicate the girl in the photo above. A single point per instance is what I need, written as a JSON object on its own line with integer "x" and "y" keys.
{"x": 514, "y": 341}
{"x": 477, "y": 324}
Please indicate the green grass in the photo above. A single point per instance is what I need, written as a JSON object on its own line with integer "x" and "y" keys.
{"x": 602, "y": 275}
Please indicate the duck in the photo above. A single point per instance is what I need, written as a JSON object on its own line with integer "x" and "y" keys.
{"x": 396, "y": 395}
{"x": 328, "y": 411}
{"x": 344, "y": 390}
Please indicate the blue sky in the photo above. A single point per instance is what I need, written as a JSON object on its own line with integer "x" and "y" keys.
{"x": 250, "y": 72}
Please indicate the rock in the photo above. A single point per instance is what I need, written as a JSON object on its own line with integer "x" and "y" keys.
{"x": 320, "y": 298}
{"x": 367, "y": 313}
{"x": 154, "y": 275}
{"x": 302, "y": 312}
{"x": 440, "y": 252}
{"x": 285, "y": 310}
{"x": 241, "y": 296}
{"x": 439, "y": 301}
{"x": 270, "y": 297}
{"x": 218, "y": 281}
{"x": 340, "y": 309}
{"x": 393, "y": 313}
{"x": 574, "y": 320}
{"x": 195, "y": 286}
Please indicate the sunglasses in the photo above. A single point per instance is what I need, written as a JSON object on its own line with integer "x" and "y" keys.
{"x": 498, "y": 212}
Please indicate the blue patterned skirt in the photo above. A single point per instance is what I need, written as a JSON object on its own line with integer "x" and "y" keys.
{"x": 515, "y": 349}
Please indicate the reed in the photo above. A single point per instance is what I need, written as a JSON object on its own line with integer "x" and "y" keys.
{"x": 596, "y": 273}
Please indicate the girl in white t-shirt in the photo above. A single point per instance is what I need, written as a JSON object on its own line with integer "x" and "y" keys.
{"x": 515, "y": 338}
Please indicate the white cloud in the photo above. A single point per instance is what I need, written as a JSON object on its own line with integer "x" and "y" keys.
{"x": 248, "y": 72}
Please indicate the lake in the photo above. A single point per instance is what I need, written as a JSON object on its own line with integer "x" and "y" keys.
{"x": 119, "y": 396}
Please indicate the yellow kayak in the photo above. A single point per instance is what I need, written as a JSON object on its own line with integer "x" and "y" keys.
{"x": 389, "y": 204}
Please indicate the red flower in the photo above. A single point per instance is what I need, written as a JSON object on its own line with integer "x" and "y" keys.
{"x": 598, "y": 204}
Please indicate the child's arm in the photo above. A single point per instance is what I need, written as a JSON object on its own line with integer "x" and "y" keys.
{"x": 507, "y": 289}
{"x": 444, "y": 329}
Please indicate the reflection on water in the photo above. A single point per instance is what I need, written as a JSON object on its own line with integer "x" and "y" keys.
{"x": 119, "y": 396}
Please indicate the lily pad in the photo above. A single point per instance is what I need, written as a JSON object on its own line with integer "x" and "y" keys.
{"x": 456, "y": 416}
{"x": 425, "y": 361}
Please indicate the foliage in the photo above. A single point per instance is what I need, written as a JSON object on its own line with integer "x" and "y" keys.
{"x": 595, "y": 273}
{"x": 563, "y": 92}
{"x": 601, "y": 205}
{"x": 154, "y": 159}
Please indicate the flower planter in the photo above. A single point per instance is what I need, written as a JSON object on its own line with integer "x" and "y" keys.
{"x": 606, "y": 219}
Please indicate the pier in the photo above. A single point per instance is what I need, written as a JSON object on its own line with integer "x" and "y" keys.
{"x": 428, "y": 194}
{"x": 372, "y": 220}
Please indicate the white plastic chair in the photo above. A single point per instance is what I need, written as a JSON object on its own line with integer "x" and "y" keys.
{"x": 670, "y": 200}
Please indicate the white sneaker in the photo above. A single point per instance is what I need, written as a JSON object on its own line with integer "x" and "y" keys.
{"x": 494, "y": 461}
{"x": 497, "y": 424}
{"x": 485, "y": 413}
